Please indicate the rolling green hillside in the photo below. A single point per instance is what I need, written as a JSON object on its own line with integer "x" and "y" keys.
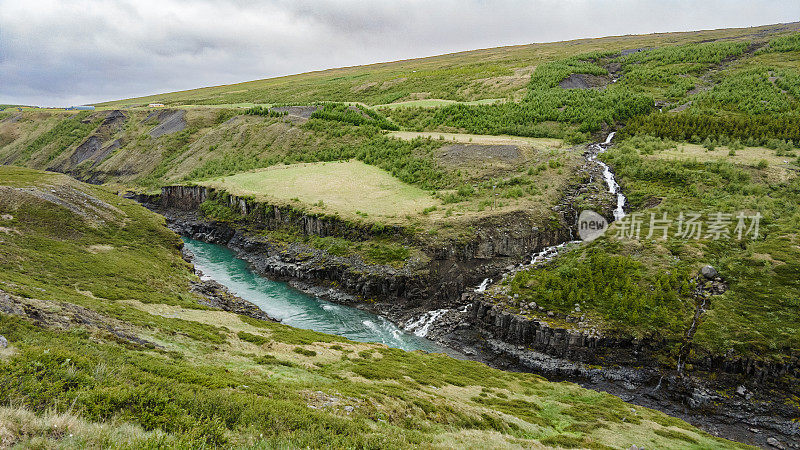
{"x": 108, "y": 347}
{"x": 492, "y": 73}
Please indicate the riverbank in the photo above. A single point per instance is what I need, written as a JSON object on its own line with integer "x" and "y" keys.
{"x": 738, "y": 417}
{"x": 298, "y": 309}
{"x": 741, "y": 413}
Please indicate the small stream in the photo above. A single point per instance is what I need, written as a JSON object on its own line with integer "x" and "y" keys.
{"x": 301, "y": 310}
{"x": 608, "y": 176}
{"x": 548, "y": 253}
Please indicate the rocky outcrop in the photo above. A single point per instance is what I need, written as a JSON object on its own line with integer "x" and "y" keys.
{"x": 66, "y": 316}
{"x": 448, "y": 269}
{"x": 588, "y": 347}
{"x": 218, "y": 296}
{"x": 578, "y": 345}
{"x": 169, "y": 121}
{"x": 87, "y": 156}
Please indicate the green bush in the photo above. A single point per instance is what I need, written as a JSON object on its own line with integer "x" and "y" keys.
{"x": 355, "y": 115}
{"x": 304, "y": 352}
{"x": 265, "y": 111}
{"x": 385, "y": 253}
{"x": 252, "y": 338}
{"x": 616, "y": 285}
{"x": 789, "y": 43}
{"x": 219, "y": 211}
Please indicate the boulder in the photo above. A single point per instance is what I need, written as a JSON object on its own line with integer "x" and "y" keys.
{"x": 709, "y": 272}
{"x": 775, "y": 443}
{"x": 3, "y": 342}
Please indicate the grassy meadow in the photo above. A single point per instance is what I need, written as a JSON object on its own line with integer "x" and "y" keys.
{"x": 502, "y": 72}
{"x": 350, "y": 188}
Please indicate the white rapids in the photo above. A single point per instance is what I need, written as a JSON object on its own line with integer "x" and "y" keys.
{"x": 484, "y": 284}
{"x": 422, "y": 325}
{"x": 549, "y": 253}
{"x": 608, "y": 176}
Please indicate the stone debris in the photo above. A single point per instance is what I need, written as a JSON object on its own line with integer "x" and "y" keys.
{"x": 775, "y": 443}
{"x": 321, "y": 400}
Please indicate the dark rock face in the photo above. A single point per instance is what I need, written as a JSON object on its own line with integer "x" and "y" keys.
{"x": 576, "y": 345}
{"x": 219, "y": 296}
{"x": 596, "y": 349}
{"x": 583, "y": 81}
{"x": 169, "y": 122}
{"x": 452, "y": 268}
{"x": 84, "y": 151}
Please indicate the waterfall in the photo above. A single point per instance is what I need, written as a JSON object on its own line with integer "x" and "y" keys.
{"x": 484, "y": 284}
{"x": 422, "y": 325}
{"x": 608, "y": 176}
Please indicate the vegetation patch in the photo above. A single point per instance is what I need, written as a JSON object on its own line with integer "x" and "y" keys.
{"x": 353, "y": 114}
{"x": 335, "y": 188}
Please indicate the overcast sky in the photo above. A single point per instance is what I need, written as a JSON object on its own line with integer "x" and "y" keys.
{"x": 63, "y": 52}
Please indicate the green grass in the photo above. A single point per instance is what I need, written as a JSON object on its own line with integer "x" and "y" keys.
{"x": 342, "y": 188}
{"x": 465, "y": 138}
{"x": 434, "y": 103}
{"x": 213, "y": 378}
{"x": 466, "y": 76}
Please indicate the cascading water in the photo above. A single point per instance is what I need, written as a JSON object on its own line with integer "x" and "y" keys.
{"x": 484, "y": 284}
{"x": 551, "y": 252}
{"x": 608, "y": 176}
{"x": 548, "y": 253}
{"x": 701, "y": 308}
{"x": 422, "y": 325}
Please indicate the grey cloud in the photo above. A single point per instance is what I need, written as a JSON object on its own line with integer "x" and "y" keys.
{"x": 55, "y": 53}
